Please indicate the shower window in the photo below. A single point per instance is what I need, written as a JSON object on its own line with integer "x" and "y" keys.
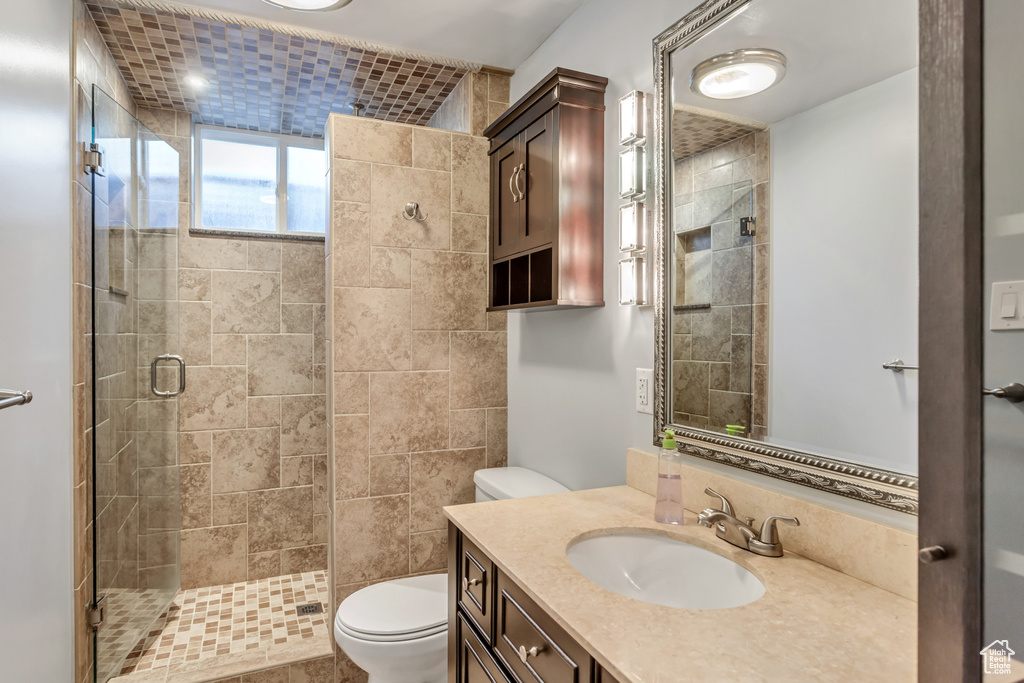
{"x": 259, "y": 182}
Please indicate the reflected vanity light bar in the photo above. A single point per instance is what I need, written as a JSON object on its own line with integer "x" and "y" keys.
{"x": 739, "y": 73}
{"x": 308, "y": 5}
{"x": 632, "y": 172}
{"x": 632, "y": 226}
{"x": 633, "y": 118}
{"x": 633, "y": 281}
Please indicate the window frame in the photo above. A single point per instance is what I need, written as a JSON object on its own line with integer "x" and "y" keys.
{"x": 277, "y": 141}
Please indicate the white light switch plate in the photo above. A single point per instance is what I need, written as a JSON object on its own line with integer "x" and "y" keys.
{"x": 1007, "y": 310}
{"x": 645, "y": 391}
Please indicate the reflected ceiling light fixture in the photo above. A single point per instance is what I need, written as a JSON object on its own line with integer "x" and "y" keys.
{"x": 739, "y": 73}
{"x": 196, "y": 82}
{"x": 308, "y": 5}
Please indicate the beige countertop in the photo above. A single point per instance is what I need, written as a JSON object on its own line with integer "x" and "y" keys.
{"x": 812, "y": 624}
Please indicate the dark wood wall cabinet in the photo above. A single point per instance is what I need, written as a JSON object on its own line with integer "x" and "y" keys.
{"x": 547, "y": 196}
{"x": 497, "y": 634}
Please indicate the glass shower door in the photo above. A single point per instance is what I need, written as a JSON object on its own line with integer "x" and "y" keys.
{"x": 136, "y": 380}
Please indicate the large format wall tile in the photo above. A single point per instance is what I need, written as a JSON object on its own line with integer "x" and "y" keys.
{"x": 280, "y": 364}
{"x": 371, "y": 329}
{"x": 371, "y": 539}
{"x": 449, "y": 291}
{"x": 479, "y": 370}
{"x": 302, "y": 273}
{"x": 280, "y": 518}
{"x": 246, "y": 460}
{"x": 214, "y": 399}
{"x": 418, "y": 366}
{"x": 303, "y": 425}
{"x": 442, "y": 478}
{"x": 246, "y": 302}
{"x": 360, "y": 139}
{"x": 391, "y": 188}
{"x": 408, "y": 412}
{"x": 213, "y": 556}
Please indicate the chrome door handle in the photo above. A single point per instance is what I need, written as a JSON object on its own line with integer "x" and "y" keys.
{"x": 525, "y": 654}
{"x": 181, "y": 375}
{"x": 466, "y": 583}
{"x": 10, "y": 398}
{"x": 1014, "y": 393}
{"x": 522, "y": 193}
{"x": 511, "y": 182}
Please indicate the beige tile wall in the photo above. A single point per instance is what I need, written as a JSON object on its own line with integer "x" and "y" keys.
{"x": 720, "y": 353}
{"x": 418, "y": 364}
{"x": 93, "y": 65}
{"x": 478, "y": 99}
{"x": 253, "y": 421}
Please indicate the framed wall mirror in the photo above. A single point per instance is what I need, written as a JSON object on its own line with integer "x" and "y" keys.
{"x": 785, "y": 231}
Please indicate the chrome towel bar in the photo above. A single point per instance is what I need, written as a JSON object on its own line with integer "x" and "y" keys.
{"x": 897, "y": 365}
{"x": 9, "y": 398}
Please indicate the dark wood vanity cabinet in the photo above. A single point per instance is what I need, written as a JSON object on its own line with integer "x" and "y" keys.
{"x": 547, "y": 196}
{"x": 497, "y": 633}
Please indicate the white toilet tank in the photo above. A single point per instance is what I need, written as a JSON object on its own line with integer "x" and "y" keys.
{"x": 498, "y": 483}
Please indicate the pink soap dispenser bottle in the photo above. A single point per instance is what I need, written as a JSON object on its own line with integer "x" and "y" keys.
{"x": 668, "y": 508}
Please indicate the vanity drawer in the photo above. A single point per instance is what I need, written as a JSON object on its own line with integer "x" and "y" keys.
{"x": 476, "y": 665}
{"x": 521, "y": 626}
{"x": 475, "y": 589}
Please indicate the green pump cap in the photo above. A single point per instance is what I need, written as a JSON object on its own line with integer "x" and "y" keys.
{"x": 670, "y": 440}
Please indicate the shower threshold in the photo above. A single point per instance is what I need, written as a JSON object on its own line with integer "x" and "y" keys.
{"x": 217, "y": 632}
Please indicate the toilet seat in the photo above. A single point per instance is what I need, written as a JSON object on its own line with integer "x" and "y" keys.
{"x": 398, "y": 610}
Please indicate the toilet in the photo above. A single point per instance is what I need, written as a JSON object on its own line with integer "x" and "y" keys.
{"x": 397, "y": 631}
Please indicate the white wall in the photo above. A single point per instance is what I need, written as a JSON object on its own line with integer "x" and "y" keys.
{"x": 844, "y": 279}
{"x": 36, "y": 612}
{"x": 571, "y": 373}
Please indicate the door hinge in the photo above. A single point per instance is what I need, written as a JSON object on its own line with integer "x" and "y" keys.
{"x": 97, "y": 613}
{"x": 748, "y": 226}
{"x": 93, "y": 159}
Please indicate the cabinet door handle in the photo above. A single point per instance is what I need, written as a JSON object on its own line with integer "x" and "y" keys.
{"x": 466, "y": 583}
{"x": 522, "y": 193}
{"x": 512, "y": 183}
{"x": 525, "y": 654}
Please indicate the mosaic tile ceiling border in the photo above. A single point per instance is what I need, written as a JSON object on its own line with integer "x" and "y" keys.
{"x": 694, "y": 131}
{"x": 261, "y": 78}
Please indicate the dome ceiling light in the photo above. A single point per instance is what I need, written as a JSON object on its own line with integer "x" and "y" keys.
{"x": 736, "y": 74}
{"x": 308, "y": 5}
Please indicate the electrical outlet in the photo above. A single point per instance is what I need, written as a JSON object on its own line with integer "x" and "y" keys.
{"x": 644, "y": 378}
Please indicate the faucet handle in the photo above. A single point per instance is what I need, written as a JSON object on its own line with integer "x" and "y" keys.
{"x": 769, "y": 533}
{"x": 726, "y": 505}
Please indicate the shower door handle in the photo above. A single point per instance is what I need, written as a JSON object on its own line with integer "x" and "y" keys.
{"x": 181, "y": 375}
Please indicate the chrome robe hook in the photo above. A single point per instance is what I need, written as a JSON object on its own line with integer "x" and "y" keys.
{"x": 412, "y": 210}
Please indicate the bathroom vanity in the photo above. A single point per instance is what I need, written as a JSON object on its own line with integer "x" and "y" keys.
{"x": 519, "y": 611}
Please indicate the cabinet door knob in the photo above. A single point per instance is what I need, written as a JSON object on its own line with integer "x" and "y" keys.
{"x": 466, "y": 583}
{"x": 932, "y": 553}
{"x": 525, "y": 654}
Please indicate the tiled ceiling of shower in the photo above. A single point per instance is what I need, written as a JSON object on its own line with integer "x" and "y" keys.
{"x": 263, "y": 79}
{"x": 695, "y": 131}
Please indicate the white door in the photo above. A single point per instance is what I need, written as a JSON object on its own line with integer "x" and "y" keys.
{"x": 36, "y": 610}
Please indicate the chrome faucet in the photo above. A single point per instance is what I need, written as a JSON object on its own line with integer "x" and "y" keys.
{"x": 742, "y": 534}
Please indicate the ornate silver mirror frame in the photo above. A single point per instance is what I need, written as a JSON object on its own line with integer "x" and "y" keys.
{"x": 885, "y": 488}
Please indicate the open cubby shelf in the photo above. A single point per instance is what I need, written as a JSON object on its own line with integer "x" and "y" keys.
{"x": 524, "y": 279}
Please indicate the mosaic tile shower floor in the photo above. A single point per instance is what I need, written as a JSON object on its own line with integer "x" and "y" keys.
{"x": 231, "y": 619}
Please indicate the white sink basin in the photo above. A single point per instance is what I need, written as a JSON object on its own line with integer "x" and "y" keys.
{"x": 664, "y": 571}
